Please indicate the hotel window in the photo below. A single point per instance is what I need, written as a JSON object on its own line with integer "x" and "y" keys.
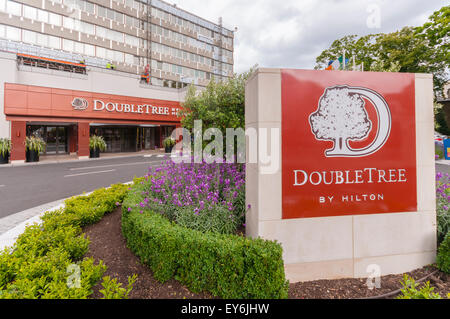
{"x": 114, "y": 35}
{"x": 110, "y": 14}
{"x": 54, "y": 42}
{"x": 14, "y": 8}
{"x": 30, "y": 12}
{"x": 118, "y": 17}
{"x": 69, "y": 3}
{"x": 136, "y": 5}
{"x": 101, "y": 32}
{"x": 109, "y": 54}
{"x": 78, "y": 47}
{"x": 128, "y": 20}
{"x": 137, "y": 23}
{"x": 89, "y": 50}
{"x": 89, "y": 28}
{"x": 54, "y": 19}
{"x": 79, "y": 4}
{"x": 68, "y": 23}
{"x": 13, "y": 33}
{"x": 42, "y": 16}
{"x": 101, "y": 11}
{"x": 2, "y": 31}
{"x": 118, "y": 56}
{"x": 2, "y": 5}
{"x": 29, "y": 37}
{"x": 130, "y": 40}
{"x": 90, "y": 8}
{"x": 129, "y": 58}
{"x": 68, "y": 45}
{"x": 42, "y": 40}
{"x": 101, "y": 52}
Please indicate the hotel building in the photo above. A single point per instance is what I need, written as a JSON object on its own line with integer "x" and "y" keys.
{"x": 73, "y": 68}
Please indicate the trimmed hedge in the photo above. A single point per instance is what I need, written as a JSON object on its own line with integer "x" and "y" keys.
{"x": 37, "y": 265}
{"x": 228, "y": 266}
{"x": 443, "y": 257}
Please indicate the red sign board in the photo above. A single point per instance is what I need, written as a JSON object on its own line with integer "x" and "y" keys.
{"x": 348, "y": 143}
{"x": 36, "y": 101}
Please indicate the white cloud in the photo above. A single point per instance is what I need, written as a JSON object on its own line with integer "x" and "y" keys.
{"x": 292, "y": 33}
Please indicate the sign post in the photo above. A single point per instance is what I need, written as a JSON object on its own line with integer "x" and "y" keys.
{"x": 355, "y": 184}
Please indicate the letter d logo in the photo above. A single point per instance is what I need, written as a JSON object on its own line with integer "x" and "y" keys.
{"x": 341, "y": 117}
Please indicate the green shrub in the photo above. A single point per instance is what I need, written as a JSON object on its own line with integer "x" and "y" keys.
{"x": 37, "y": 265}
{"x": 97, "y": 143}
{"x": 410, "y": 290}
{"x": 5, "y": 146}
{"x": 228, "y": 266}
{"x": 169, "y": 142}
{"x": 217, "y": 219}
{"x": 34, "y": 143}
{"x": 443, "y": 257}
{"x": 114, "y": 290}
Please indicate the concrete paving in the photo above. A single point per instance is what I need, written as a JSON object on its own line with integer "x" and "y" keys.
{"x": 443, "y": 166}
{"x": 12, "y": 226}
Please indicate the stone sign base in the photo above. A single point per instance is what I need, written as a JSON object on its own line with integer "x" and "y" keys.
{"x": 341, "y": 246}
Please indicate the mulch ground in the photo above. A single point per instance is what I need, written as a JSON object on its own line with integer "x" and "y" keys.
{"x": 109, "y": 245}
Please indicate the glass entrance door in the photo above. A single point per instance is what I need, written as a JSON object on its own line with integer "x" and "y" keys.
{"x": 56, "y": 139}
{"x": 51, "y": 140}
{"x": 61, "y": 140}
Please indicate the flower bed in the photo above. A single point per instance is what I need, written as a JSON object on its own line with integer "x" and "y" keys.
{"x": 442, "y": 205}
{"x": 205, "y": 197}
{"x": 180, "y": 221}
{"x": 38, "y": 263}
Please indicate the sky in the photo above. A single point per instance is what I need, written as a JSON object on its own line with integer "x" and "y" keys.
{"x": 292, "y": 33}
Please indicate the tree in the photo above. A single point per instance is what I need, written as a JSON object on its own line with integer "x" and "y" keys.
{"x": 340, "y": 117}
{"x": 423, "y": 49}
{"x": 221, "y": 105}
{"x": 360, "y": 47}
{"x": 436, "y": 33}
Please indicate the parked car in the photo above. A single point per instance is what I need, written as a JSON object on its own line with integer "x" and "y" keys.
{"x": 439, "y": 139}
{"x": 439, "y": 144}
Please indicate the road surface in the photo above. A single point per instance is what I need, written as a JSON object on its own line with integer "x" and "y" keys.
{"x": 28, "y": 186}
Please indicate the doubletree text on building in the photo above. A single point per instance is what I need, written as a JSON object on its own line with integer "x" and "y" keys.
{"x": 131, "y": 108}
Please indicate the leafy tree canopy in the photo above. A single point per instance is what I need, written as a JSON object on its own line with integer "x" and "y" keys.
{"x": 424, "y": 49}
{"x": 221, "y": 105}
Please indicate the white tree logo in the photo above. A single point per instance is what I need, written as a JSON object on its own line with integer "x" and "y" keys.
{"x": 341, "y": 117}
{"x": 80, "y": 104}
